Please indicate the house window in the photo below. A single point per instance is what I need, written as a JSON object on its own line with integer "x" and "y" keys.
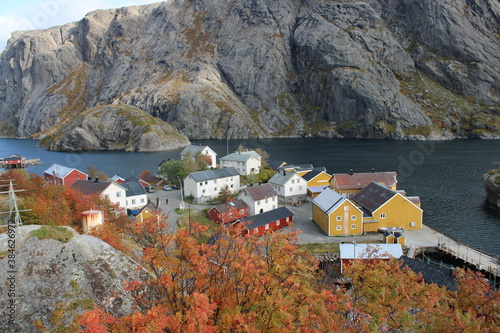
{"x": 353, "y": 217}
{"x": 203, "y": 191}
{"x": 118, "y": 194}
{"x": 231, "y": 185}
{"x": 201, "y": 184}
{"x": 278, "y": 222}
{"x": 266, "y": 200}
{"x": 339, "y": 227}
{"x": 274, "y": 198}
{"x": 267, "y": 226}
{"x": 300, "y": 188}
{"x": 353, "y": 226}
{"x": 293, "y": 181}
{"x": 291, "y": 189}
{"x": 339, "y": 218}
{"x": 382, "y": 215}
{"x": 215, "y": 188}
{"x": 215, "y": 181}
{"x": 350, "y": 195}
{"x": 106, "y": 196}
{"x": 142, "y": 200}
{"x": 133, "y": 201}
{"x": 288, "y": 218}
{"x": 206, "y": 183}
{"x": 413, "y": 224}
{"x": 258, "y": 203}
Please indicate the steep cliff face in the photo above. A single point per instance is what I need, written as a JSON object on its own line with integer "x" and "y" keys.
{"x": 115, "y": 127}
{"x": 491, "y": 182}
{"x": 217, "y": 69}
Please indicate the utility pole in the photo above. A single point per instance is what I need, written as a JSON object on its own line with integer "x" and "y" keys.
{"x": 13, "y": 212}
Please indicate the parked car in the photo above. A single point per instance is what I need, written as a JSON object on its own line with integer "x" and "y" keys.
{"x": 176, "y": 187}
{"x": 149, "y": 189}
{"x": 167, "y": 188}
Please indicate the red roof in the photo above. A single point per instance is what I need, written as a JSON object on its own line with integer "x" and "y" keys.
{"x": 346, "y": 181}
{"x": 261, "y": 192}
{"x": 236, "y": 204}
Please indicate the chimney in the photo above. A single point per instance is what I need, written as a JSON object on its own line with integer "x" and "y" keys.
{"x": 284, "y": 172}
{"x": 351, "y": 172}
{"x": 96, "y": 180}
{"x": 89, "y": 178}
{"x": 373, "y": 170}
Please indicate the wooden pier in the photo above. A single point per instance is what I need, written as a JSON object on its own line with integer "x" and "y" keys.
{"x": 18, "y": 162}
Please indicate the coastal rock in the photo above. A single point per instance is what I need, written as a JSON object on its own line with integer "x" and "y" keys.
{"x": 491, "y": 181}
{"x": 70, "y": 277}
{"x": 115, "y": 127}
{"x": 262, "y": 68}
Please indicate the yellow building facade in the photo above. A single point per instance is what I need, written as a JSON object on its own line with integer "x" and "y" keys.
{"x": 336, "y": 215}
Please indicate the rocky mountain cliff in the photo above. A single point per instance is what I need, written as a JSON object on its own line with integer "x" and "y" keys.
{"x": 214, "y": 69}
{"x": 491, "y": 182}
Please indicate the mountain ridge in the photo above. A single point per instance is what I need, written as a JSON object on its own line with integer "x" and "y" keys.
{"x": 382, "y": 69}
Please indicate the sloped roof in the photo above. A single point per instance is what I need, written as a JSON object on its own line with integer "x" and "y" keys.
{"x": 297, "y": 167}
{"x": 312, "y": 174}
{"x": 430, "y": 273}
{"x": 281, "y": 179}
{"x": 194, "y": 149}
{"x": 91, "y": 187}
{"x": 60, "y": 171}
{"x": 317, "y": 189}
{"x": 259, "y": 220}
{"x": 373, "y": 196}
{"x": 236, "y": 204}
{"x": 199, "y": 176}
{"x": 134, "y": 188}
{"x": 275, "y": 164}
{"x": 347, "y": 181}
{"x": 241, "y": 156}
{"x": 370, "y": 251}
{"x": 328, "y": 200}
{"x": 117, "y": 178}
{"x": 131, "y": 178}
{"x": 152, "y": 179}
{"x": 151, "y": 206}
{"x": 414, "y": 200}
{"x": 260, "y": 192}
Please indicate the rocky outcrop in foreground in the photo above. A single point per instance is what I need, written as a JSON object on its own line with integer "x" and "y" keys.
{"x": 491, "y": 181}
{"x": 52, "y": 275}
{"x": 397, "y": 69}
{"x": 115, "y": 127}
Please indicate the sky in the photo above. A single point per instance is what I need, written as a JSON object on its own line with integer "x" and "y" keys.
{"x": 40, "y": 14}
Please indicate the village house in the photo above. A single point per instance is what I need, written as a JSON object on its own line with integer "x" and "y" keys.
{"x": 148, "y": 211}
{"x": 198, "y": 149}
{"x": 260, "y": 198}
{"x": 245, "y": 162}
{"x": 353, "y": 251}
{"x": 153, "y": 180}
{"x": 269, "y": 221}
{"x": 136, "y": 196}
{"x": 348, "y": 184}
{"x": 58, "y": 174}
{"x": 384, "y": 208}
{"x": 290, "y": 186}
{"x": 336, "y": 215}
{"x": 204, "y": 186}
{"x": 112, "y": 191}
{"x": 317, "y": 181}
{"x": 228, "y": 212}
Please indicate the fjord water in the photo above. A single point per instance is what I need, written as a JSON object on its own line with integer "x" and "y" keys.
{"x": 447, "y": 175}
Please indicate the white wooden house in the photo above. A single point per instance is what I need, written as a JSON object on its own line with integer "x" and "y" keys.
{"x": 204, "y": 186}
{"x": 290, "y": 186}
{"x": 198, "y": 149}
{"x": 246, "y": 162}
{"x": 112, "y": 191}
{"x": 260, "y": 198}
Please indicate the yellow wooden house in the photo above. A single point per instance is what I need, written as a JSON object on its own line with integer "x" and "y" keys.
{"x": 336, "y": 215}
{"x": 348, "y": 184}
{"x": 147, "y": 211}
{"x": 317, "y": 181}
{"x": 384, "y": 208}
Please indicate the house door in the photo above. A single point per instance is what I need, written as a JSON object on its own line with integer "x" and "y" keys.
{"x": 346, "y": 220}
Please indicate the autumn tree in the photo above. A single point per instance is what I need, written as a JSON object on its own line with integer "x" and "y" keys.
{"x": 144, "y": 174}
{"x": 224, "y": 194}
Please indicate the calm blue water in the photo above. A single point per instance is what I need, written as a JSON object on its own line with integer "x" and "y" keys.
{"x": 446, "y": 175}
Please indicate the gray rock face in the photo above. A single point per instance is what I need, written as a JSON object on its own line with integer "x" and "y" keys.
{"x": 262, "y": 68}
{"x": 492, "y": 187}
{"x": 71, "y": 276}
{"x": 115, "y": 127}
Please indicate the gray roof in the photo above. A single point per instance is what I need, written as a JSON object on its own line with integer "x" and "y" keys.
{"x": 241, "y": 156}
{"x": 373, "y": 196}
{"x": 200, "y": 176}
{"x": 59, "y": 170}
{"x": 281, "y": 179}
{"x": 134, "y": 188}
{"x": 259, "y": 220}
{"x": 193, "y": 149}
{"x": 328, "y": 200}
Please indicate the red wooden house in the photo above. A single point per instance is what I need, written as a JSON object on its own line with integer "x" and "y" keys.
{"x": 269, "y": 221}
{"x": 228, "y": 212}
{"x": 58, "y": 174}
{"x": 13, "y": 160}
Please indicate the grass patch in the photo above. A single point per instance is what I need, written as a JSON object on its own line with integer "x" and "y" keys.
{"x": 315, "y": 248}
{"x": 52, "y": 232}
{"x": 182, "y": 211}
